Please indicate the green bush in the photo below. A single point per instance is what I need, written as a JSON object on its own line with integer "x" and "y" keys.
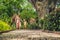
{"x": 22, "y": 27}
{"x": 51, "y": 22}
{"x": 4, "y": 26}
{"x": 33, "y": 26}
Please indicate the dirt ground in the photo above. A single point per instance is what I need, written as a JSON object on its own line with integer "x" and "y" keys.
{"x": 29, "y": 35}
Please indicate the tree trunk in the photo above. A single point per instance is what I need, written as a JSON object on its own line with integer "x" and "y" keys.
{"x": 43, "y": 7}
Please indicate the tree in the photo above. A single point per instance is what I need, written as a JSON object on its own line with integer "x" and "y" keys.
{"x": 43, "y": 6}
{"x": 9, "y": 7}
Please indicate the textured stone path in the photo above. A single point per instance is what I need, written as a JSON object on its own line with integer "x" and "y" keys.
{"x": 29, "y": 35}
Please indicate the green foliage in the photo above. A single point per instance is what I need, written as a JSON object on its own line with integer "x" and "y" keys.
{"x": 33, "y": 26}
{"x": 4, "y": 26}
{"x": 5, "y": 17}
{"x": 51, "y": 22}
{"x": 22, "y": 27}
{"x": 9, "y": 7}
{"x": 26, "y": 14}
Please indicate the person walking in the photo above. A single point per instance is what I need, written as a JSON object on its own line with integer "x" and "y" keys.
{"x": 17, "y": 21}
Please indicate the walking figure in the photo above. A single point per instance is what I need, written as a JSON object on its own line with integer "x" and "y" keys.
{"x": 25, "y": 24}
{"x": 17, "y": 21}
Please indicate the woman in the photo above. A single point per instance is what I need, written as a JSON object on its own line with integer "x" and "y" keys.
{"x": 16, "y": 19}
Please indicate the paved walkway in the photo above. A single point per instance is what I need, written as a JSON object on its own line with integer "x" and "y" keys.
{"x": 27, "y": 34}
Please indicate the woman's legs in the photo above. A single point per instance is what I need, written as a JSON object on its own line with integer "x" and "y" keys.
{"x": 17, "y": 26}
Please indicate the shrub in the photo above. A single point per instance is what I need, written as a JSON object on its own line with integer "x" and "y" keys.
{"x": 52, "y": 22}
{"x": 4, "y": 26}
{"x": 33, "y": 26}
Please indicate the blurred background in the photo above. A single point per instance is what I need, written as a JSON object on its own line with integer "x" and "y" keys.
{"x": 38, "y": 14}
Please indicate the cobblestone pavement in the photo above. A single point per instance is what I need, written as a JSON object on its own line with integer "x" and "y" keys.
{"x": 29, "y": 35}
